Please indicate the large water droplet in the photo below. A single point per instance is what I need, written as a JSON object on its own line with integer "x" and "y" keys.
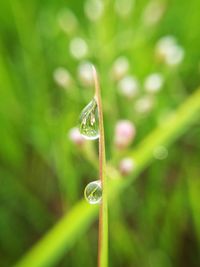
{"x": 93, "y": 192}
{"x": 89, "y": 124}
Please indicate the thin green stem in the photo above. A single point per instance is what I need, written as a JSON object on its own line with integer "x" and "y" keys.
{"x": 103, "y": 213}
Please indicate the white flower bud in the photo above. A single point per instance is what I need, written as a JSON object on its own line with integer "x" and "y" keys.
{"x": 153, "y": 12}
{"x": 128, "y": 86}
{"x": 144, "y": 104}
{"x": 153, "y": 83}
{"x": 67, "y": 21}
{"x": 124, "y": 7}
{"x": 78, "y": 48}
{"x": 175, "y": 56}
{"x": 85, "y": 73}
{"x": 120, "y": 68}
{"x": 93, "y": 9}
{"x": 62, "y": 77}
{"x": 126, "y": 166}
{"x": 169, "y": 51}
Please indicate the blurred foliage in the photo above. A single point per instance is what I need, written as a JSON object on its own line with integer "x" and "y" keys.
{"x": 156, "y": 222}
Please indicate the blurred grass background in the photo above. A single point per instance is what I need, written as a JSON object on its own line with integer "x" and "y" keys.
{"x": 156, "y": 222}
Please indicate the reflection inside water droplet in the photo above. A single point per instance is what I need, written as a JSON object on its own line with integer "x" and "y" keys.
{"x": 93, "y": 192}
{"x": 89, "y": 124}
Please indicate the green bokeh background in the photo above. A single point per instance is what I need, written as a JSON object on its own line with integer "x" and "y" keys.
{"x": 153, "y": 223}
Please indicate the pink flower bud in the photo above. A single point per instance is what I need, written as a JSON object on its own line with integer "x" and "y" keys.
{"x": 126, "y": 166}
{"x": 76, "y": 137}
{"x": 124, "y": 133}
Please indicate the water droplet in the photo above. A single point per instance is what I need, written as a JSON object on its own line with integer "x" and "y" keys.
{"x": 89, "y": 123}
{"x": 93, "y": 192}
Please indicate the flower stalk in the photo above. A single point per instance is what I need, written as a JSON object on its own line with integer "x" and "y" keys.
{"x": 103, "y": 212}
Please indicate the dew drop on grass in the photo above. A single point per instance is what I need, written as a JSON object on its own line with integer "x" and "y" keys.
{"x": 89, "y": 124}
{"x": 93, "y": 192}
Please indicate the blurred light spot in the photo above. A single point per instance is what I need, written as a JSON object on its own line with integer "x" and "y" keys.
{"x": 67, "y": 21}
{"x": 175, "y": 56}
{"x": 78, "y": 48}
{"x": 160, "y": 152}
{"x": 144, "y": 104}
{"x": 76, "y": 137}
{"x": 153, "y": 12}
{"x": 124, "y": 7}
{"x": 120, "y": 68}
{"x": 62, "y": 77}
{"x": 85, "y": 73}
{"x": 124, "y": 133}
{"x": 169, "y": 51}
{"x": 153, "y": 83}
{"x": 93, "y": 9}
{"x": 126, "y": 166}
{"x": 128, "y": 86}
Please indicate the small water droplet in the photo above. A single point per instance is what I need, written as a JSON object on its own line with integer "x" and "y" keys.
{"x": 89, "y": 123}
{"x": 93, "y": 192}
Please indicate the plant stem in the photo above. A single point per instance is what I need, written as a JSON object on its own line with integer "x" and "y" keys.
{"x": 103, "y": 212}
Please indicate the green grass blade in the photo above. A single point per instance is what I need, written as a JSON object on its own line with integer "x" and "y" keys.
{"x": 59, "y": 239}
{"x": 103, "y": 215}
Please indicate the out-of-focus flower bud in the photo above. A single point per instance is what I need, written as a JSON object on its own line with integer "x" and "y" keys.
{"x": 124, "y": 8}
{"x": 62, "y": 77}
{"x": 78, "y": 48}
{"x": 169, "y": 51}
{"x": 120, "y": 68}
{"x": 76, "y": 137}
{"x": 85, "y": 73}
{"x": 67, "y": 21}
{"x": 126, "y": 166}
{"x": 128, "y": 86}
{"x": 144, "y": 104}
{"x": 94, "y": 9}
{"x": 153, "y": 12}
{"x": 153, "y": 83}
{"x": 124, "y": 133}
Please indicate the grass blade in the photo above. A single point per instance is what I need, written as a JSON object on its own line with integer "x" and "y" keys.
{"x": 103, "y": 214}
